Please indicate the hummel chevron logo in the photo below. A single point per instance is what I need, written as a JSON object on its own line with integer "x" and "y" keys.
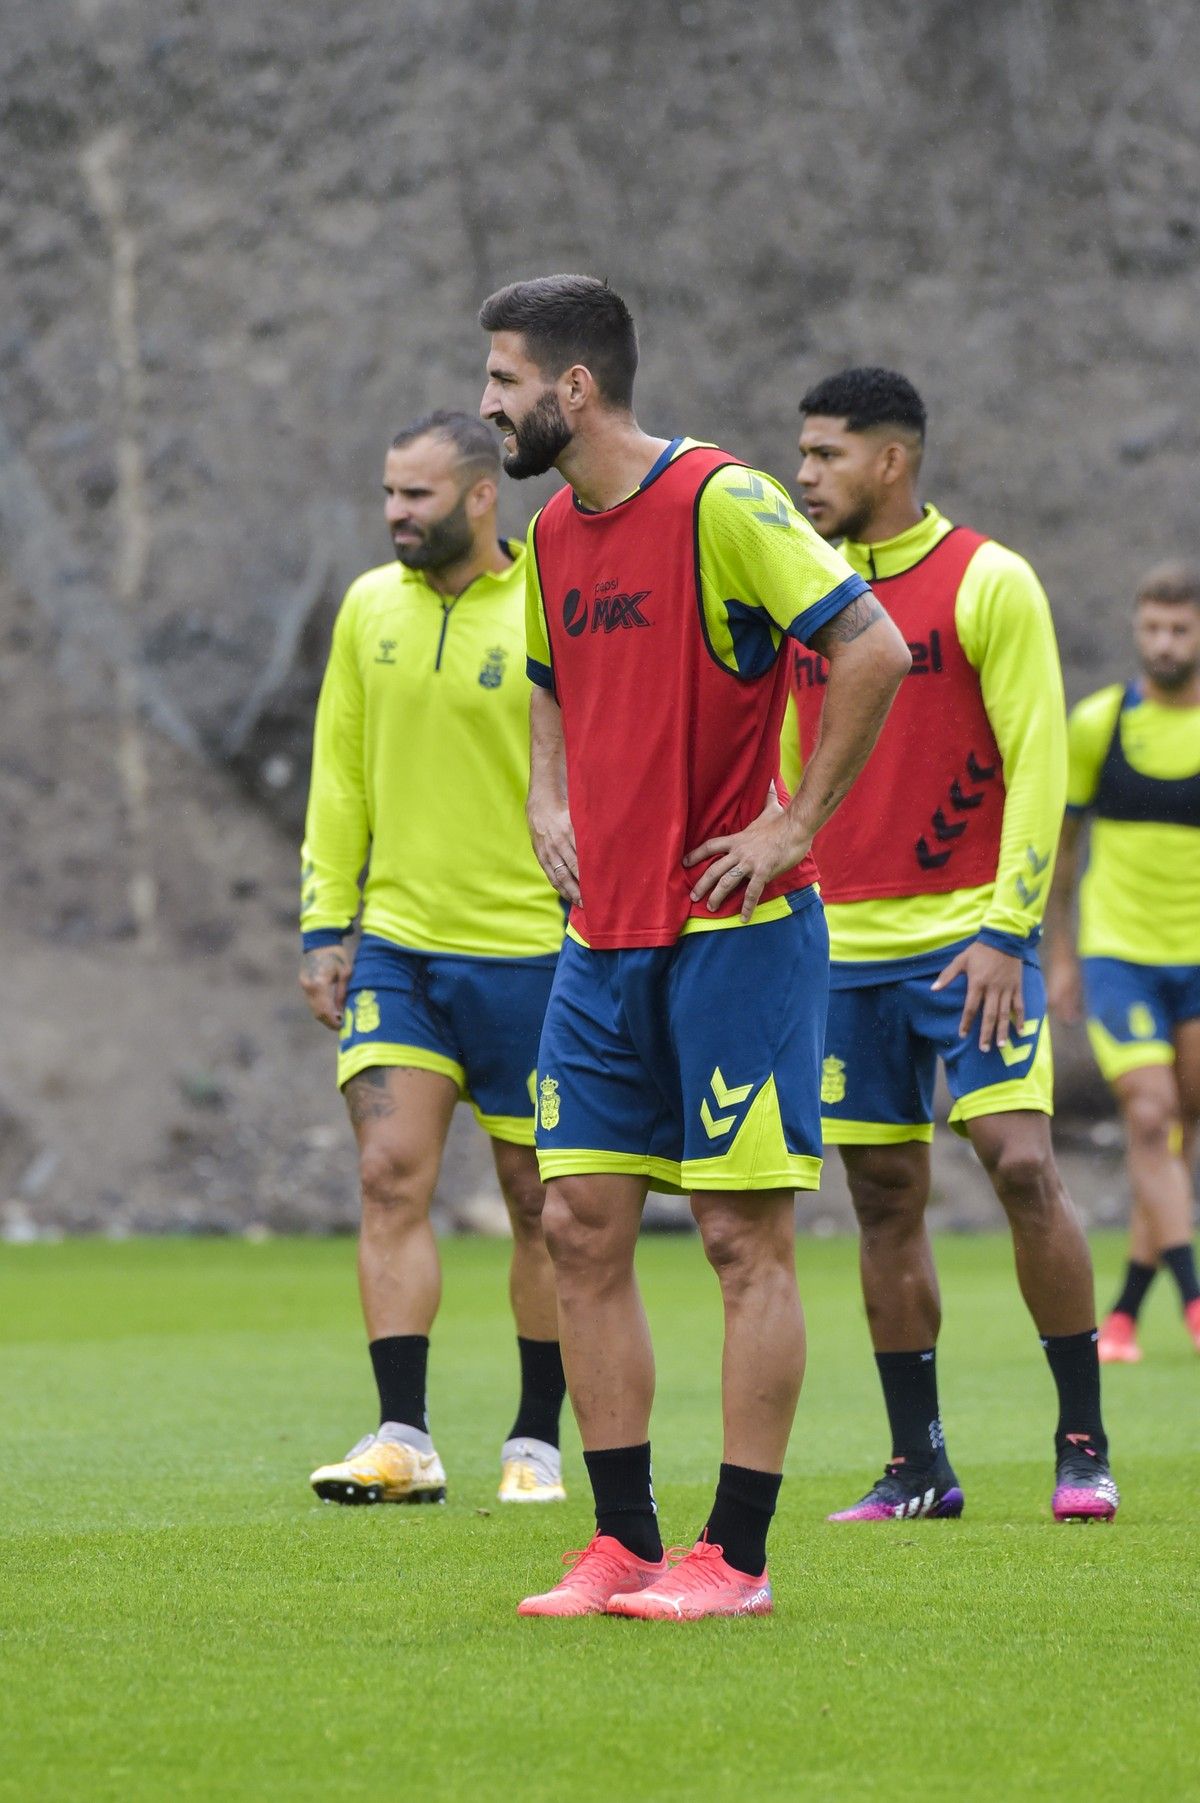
{"x": 942, "y": 828}
{"x": 770, "y": 515}
{"x": 725, "y": 1097}
{"x": 1036, "y": 864}
{"x": 979, "y": 773}
{"x": 961, "y": 800}
{"x": 927, "y": 859}
{"x": 1020, "y": 1050}
{"x": 1025, "y": 895}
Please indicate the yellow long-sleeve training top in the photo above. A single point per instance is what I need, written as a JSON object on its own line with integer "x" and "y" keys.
{"x": 421, "y": 760}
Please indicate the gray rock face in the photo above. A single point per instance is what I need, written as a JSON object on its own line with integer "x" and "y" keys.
{"x": 239, "y": 246}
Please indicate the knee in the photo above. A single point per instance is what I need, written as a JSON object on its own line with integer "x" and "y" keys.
{"x": 393, "y": 1185}
{"x": 580, "y": 1241}
{"x": 738, "y": 1253}
{"x": 525, "y": 1199}
{"x": 887, "y": 1197}
{"x": 1023, "y": 1174}
{"x": 1149, "y": 1121}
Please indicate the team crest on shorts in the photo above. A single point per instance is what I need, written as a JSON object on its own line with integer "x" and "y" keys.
{"x": 1141, "y": 1021}
{"x": 549, "y": 1108}
{"x": 491, "y": 674}
{"x": 366, "y": 1010}
{"x": 833, "y": 1080}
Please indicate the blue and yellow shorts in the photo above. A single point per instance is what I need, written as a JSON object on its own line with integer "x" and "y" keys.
{"x": 1134, "y": 1009}
{"x": 883, "y": 1040}
{"x": 694, "y": 1065}
{"x": 474, "y": 1020}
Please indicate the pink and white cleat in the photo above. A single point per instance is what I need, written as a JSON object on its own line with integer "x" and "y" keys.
{"x": 1084, "y": 1488}
{"x": 700, "y": 1584}
{"x": 902, "y": 1495}
{"x": 603, "y": 1570}
{"x": 1116, "y": 1343}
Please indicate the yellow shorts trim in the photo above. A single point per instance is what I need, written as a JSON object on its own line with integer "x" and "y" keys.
{"x": 1034, "y": 1092}
{"x": 513, "y": 1130}
{"x": 392, "y": 1057}
{"x": 1117, "y": 1056}
{"x": 700, "y": 1174}
{"x": 660, "y": 1173}
{"x": 874, "y": 1133}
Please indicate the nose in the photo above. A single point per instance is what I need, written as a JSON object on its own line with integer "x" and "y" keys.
{"x": 489, "y": 406}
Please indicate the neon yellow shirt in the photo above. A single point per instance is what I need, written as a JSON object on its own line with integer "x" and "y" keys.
{"x": 1140, "y": 896}
{"x": 765, "y": 575}
{"x": 421, "y": 758}
{"x": 1005, "y": 628}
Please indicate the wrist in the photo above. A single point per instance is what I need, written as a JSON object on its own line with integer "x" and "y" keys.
{"x": 319, "y": 939}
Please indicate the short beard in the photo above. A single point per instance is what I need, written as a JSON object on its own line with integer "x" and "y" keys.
{"x": 542, "y": 437}
{"x": 852, "y": 524}
{"x": 1176, "y": 676}
{"x": 448, "y": 541}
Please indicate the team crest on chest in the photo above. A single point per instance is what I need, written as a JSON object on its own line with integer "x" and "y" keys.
{"x": 491, "y": 672}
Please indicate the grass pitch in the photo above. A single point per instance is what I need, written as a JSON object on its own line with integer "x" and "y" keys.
{"x": 180, "y": 1618}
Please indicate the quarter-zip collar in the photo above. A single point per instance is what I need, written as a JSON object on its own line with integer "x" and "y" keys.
{"x": 892, "y": 556}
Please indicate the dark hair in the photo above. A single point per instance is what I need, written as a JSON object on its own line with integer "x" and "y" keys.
{"x": 477, "y": 445}
{"x": 567, "y": 319}
{"x": 1171, "y": 581}
{"x": 868, "y": 397}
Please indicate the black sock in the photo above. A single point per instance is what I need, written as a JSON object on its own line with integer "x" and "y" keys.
{"x": 624, "y": 1497}
{"x": 1181, "y": 1263}
{"x": 400, "y": 1362}
{"x": 543, "y": 1387}
{"x": 1075, "y": 1367}
{"x": 1138, "y": 1279}
{"x": 741, "y": 1516}
{"x": 909, "y": 1382}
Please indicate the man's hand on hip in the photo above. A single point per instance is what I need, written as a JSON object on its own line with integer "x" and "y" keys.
{"x": 324, "y": 976}
{"x": 755, "y": 856}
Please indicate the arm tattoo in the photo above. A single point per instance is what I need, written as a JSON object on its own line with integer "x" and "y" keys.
{"x": 850, "y": 624}
{"x": 367, "y": 1096}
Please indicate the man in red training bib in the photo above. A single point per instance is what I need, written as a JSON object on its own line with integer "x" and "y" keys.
{"x": 935, "y": 875}
{"x": 682, "y": 1043}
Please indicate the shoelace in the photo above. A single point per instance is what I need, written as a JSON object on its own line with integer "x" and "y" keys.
{"x": 702, "y": 1559}
{"x": 600, "y": 1557}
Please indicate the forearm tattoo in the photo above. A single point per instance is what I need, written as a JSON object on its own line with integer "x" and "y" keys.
{"x": 850, "y": 624}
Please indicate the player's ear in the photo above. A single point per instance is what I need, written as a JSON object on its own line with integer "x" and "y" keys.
{"x": 482, "y": 497}
{"x": 576, "y": 385}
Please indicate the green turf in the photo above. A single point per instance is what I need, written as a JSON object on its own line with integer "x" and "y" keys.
{"x": 179, "y": 1618}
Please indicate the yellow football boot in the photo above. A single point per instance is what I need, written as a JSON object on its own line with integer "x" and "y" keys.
{"x": 381, "y": 1469}
{"x": 530, "y": 1472}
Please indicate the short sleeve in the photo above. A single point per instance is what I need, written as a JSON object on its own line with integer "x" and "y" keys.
{"x": 761, "y": 563}
{"x": 537, "y": 636}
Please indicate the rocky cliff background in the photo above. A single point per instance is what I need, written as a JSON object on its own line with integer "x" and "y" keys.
{"x": 239, "y": 246}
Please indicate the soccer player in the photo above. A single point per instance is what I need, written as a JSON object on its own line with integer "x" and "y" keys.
{"x": 421, "y": 761}
{"x": 1134, "y": 754}
{"x": 934, "y": 875}
{"x": 682, "y": 1042}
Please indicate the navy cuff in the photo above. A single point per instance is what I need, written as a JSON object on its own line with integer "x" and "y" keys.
{"x": 1012, "y": 943}
{"x": 320, "y": 937}
{"x": 539, "y": 673}
{"x": 828, "y": 608}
